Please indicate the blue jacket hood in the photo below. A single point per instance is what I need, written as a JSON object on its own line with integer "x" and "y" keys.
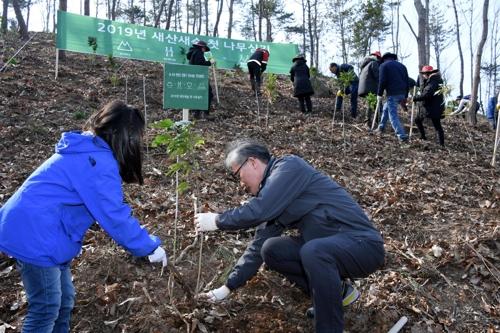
{"x": 77, "y": 142}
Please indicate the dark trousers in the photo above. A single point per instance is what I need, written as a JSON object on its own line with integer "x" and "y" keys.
{"x": 305, "y": 103}
{"x": 197, "y": 113}
{"x": 353, "y": 91}
{"x": 437, "y": 125}
{"x": 255, "y": 75}
{"x": 319, "y": 266}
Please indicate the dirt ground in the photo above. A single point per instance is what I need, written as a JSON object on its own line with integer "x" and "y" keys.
{"x": 437, "y": 208}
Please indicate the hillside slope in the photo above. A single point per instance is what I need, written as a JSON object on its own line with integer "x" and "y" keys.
{"x": 420, "y": 196}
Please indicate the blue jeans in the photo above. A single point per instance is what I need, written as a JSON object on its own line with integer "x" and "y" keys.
{"x": 353, "y": 91}
{"x": 319, "y": 266}
{"x": 51, "y": 297}
{"x": 390, "y": 111}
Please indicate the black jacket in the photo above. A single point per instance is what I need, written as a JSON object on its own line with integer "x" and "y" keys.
{"x": 432, "y": 103}
{"x": 346, "y": 68}
{"x": 299, "y": 74}
{"x": 196, "y": 57}
{"x": 294, "y": 195}
{"x": 368, "y": 77}
{"x": 260, "y": 57}
{"x": 393, "y": 78}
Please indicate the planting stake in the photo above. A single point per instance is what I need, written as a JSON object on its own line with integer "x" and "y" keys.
{"x": 399, "y": 325}
{"x": 412, "y": 112}
{"x": 375, "y": 115}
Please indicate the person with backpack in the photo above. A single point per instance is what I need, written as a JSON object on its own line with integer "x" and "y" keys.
{"x": 302, "y": 88}
{"x": 432, "y": 102}
{"x": 43, "y": 224}
{"x": 196, "y": 56}
{"x": 257, "y": 64}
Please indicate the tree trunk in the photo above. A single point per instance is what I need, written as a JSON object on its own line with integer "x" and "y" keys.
{"x": 230, "y": 23}
{"x": 316, "y": 34}
{"x": 310, "y": 28}
{"x": 28, "y": 11}
{"x": 86, "y": 8}
{"x": 160, "y": 12}
{"x": 422, "y": 13}
{"x": 63, "y": 6}
{"x": 23, "y": 30}
{"x": 54, "y": 11}
{"x": 206, "y": 17}
{"x": 200, "y": 17}
{"x": 477, "y": 67}
{"x": 460, "y": 53}
{"x": 114, "y": 6}
{"x": 220, "y": 3}
{"x": 261, "y": 13}
{"x": 4, "y": 16}
{"x": 253, "y": 21}
{"x": 269, "y": 30}
{"x": 303, "y": 4}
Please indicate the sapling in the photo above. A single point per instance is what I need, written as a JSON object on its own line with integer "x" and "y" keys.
{"x": 344, "y": 80}
{"x": 181, "y": 143}
{"x": 271, "y": 92}
{"x": 92, "y": 41}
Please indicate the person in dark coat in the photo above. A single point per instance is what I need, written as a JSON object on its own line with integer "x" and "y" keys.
{"x": 336, "y": 240}
{"x": 302, "y": 88}
{"x": 491, "y": 115}
{"x": 432, "y": 102}
{"x": 352, "y": 89}
{"x": 368, "y": 80}
{"x": 257, "y": 64}
{"x": 394, "y": 80}
{"x": 196, "y": 56}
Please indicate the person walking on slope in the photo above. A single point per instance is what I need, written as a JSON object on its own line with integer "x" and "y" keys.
{"x": 432, "y": 102}
{"x": 196, "y": 56}
{"x": 335, "y": 239}
{"x": 352, "y": 89}
{"x": 43, "y": 224}
{"x": 368, "y": 80}
{"x": 393, "y": 79}
{"x": 257, "y": 64}
{"x": 302, "y": 88}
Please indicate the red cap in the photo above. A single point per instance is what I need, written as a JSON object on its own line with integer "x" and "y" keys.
{"x": 428, "y": 69}
{"x": 377, "y": 54}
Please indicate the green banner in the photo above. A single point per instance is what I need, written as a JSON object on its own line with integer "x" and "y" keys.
{"x": 185, "y": 87}
{"x": 104, "y": 37}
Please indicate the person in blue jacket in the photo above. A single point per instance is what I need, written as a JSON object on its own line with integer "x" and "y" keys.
{"x": 352, "y": 89}
{"x": 491, "y": 115}
{"x": 393, "y": 79}
{"x": 44, "y": 222}
{"x": 336, "y": 240}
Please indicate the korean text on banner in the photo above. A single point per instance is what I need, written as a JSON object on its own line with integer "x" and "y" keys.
{"x": 185, "y": 87}
{"x": 110, "y": 38}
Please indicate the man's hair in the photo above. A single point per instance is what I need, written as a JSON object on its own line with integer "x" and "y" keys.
{"x": 122, "y": 127}
{"x": 239, "y": 150}
{"x": 332, "y": 64}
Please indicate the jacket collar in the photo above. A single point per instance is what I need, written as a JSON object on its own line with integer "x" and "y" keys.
{"x": 267, "y": 172}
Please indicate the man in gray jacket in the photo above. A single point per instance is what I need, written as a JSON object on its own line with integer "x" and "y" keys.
{"x": 336, "y": 241}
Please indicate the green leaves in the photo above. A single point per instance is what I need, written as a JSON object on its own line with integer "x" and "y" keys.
{"x": 271, "y": 87}
{"x": 181, "y": 143}
{"x": 371, "y": 99}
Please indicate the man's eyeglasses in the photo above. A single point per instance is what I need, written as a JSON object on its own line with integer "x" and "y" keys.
{"x": 236, "y": 174}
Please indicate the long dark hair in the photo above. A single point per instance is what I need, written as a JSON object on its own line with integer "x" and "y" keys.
{"x": 121, "y": 126}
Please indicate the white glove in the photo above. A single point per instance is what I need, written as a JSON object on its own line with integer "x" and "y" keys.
{"x": 205, "y": 222}
{"x": 216, "y": 295}
{"x": 212, "y": 61}
{"x": 159, "y": 255}
{"x": 379, "y": 99}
